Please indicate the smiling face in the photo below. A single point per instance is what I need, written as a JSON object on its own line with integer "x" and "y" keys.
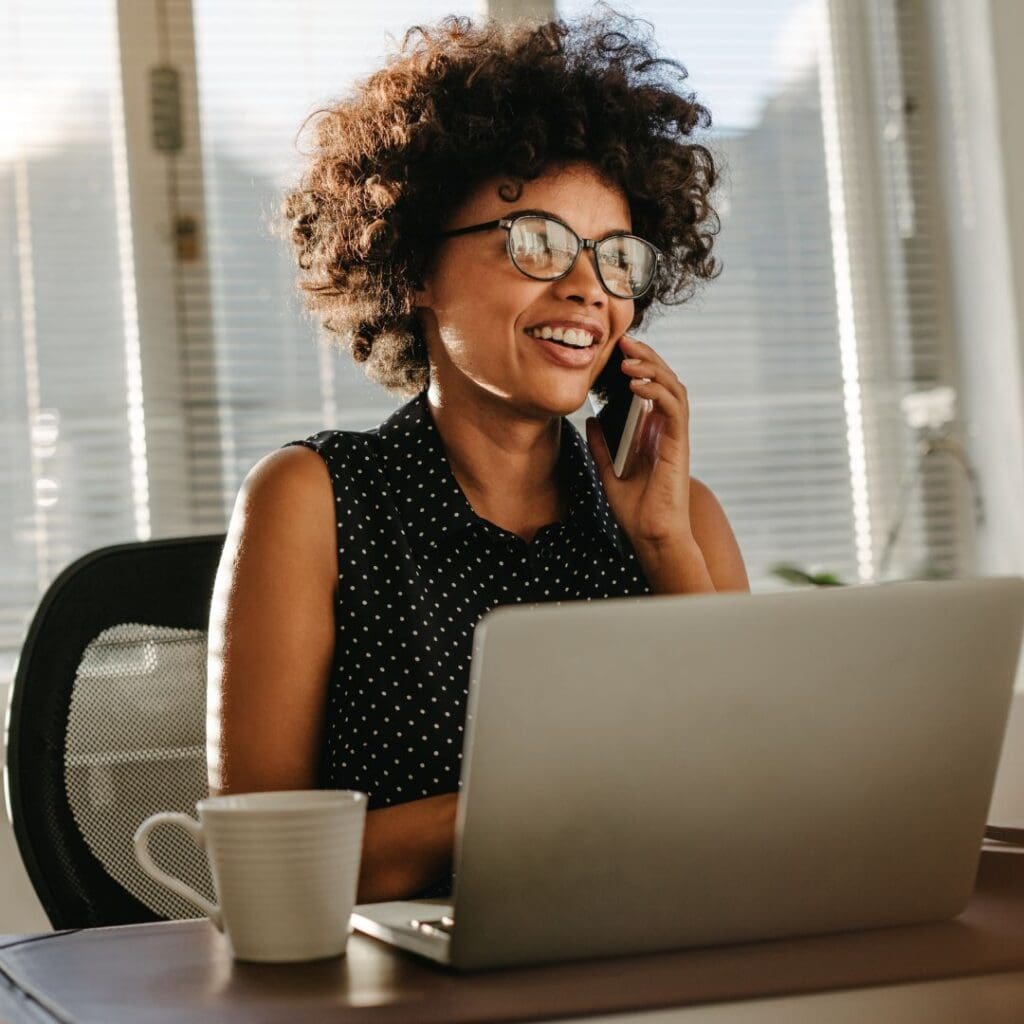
{"x": 481, "y": 314}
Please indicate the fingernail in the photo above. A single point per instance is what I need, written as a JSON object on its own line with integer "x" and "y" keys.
{"x": 632, "y": 362}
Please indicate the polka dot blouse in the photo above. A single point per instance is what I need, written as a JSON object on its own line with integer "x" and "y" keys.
{"x": 417, "y": 568}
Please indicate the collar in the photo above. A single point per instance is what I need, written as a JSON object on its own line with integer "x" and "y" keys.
{"x": 434, "y": 507}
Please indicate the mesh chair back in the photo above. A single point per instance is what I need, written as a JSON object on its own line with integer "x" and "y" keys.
{"x": 107, "y": 725}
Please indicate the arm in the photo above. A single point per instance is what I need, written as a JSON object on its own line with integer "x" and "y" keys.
{"x": 706, "y": 559}
{"x": 717, "y": 542}
{"x": 408, "y": 847}
{"x": 271, "y": 648}
{"x": 271, "y": 632}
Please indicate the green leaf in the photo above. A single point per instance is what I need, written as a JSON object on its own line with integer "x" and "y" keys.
{"x": 794, "y": 574}
{"x": 790, "y": 573}
{"x": 827, "y": 579}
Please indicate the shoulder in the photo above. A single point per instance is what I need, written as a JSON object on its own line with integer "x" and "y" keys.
{"x": 714, "y": 535}
{"x": 289, "y": 473}
{"x": 702, "y": 498}
{"x": 286, "y": 506}
{"x": 332, "y": 444}
{"x": 307, "y": 458}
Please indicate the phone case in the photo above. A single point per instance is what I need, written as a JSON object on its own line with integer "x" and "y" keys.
{"x": 622, "y": 417}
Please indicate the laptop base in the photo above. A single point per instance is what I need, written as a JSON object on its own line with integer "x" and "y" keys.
{"x": 392, "y": 922}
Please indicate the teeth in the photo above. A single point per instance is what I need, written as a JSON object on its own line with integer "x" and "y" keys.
{"x": 566, "y": 335}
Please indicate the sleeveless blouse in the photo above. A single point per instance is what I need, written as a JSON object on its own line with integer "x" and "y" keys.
{"x": 417, "y": 569}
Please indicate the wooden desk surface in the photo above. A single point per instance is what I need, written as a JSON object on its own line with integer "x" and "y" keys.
{"x": 183, "y": 970}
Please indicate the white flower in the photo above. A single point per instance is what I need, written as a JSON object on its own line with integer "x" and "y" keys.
{"x": 933, "y": 409}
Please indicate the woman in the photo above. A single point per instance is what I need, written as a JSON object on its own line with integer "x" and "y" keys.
{"x": 436, "y": 230}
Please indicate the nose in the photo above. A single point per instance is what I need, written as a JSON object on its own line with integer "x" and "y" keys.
{"x": 582, "y": 284}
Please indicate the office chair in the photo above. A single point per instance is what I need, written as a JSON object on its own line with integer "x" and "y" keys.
{"x": 107, "y": 726}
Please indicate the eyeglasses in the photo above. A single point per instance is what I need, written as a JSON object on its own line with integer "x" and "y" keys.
{"x": 545, "y": 248}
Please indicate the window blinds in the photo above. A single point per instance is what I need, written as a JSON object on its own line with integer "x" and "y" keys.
{"x": 830, "y": 307}
{"x": 261, "y": 71}
{"x": 66, "y": 382}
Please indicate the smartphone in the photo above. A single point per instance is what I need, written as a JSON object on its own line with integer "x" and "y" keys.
{"x": 623, "y": 416}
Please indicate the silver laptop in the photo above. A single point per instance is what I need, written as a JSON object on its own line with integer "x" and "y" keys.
{"x": 650, "y": 773}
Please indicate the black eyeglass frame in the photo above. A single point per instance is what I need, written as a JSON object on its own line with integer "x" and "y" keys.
{"x": 583, "y": 243}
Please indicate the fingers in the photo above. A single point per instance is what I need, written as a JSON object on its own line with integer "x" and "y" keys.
{"x": 653, "y": 367}
{"x": 675, "y": 412}
{"x": 651, "y": 377}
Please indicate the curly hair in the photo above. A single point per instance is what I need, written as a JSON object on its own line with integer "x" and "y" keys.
{"x": 459, "y": 103}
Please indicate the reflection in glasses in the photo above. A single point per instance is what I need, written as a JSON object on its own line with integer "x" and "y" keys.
{"x": 546, "y": 249}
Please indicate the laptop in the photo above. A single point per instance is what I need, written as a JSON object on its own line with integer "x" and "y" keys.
{"x": 642, "y": 774}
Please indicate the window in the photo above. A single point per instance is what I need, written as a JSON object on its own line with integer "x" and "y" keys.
{"x": 829, "y": 307}
{"x": 262, "y": 69}
{"x": 153, "y": 348}
{"x": 68, "y": 356}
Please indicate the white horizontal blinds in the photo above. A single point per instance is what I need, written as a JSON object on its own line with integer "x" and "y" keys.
{"x": 880, "y": 87}
{"x": 796, "y": 356}
{"x": 66, "y": 468}
{"x": 758, "y": 347}
{"x": 262, "y": 69}
{"x": 141, "y": 375}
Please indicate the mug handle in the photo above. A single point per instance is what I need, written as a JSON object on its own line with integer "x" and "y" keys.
{"x": 195, "y": 830}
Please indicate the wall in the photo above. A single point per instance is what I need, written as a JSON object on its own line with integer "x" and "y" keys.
{"x": 981, "y": 162}
{"x": 979, "y": 78}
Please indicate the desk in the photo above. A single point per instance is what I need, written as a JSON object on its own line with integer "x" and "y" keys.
{"x": 968, "y": 969}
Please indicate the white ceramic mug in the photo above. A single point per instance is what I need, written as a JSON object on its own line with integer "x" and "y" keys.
{"x": 285, "y": 867}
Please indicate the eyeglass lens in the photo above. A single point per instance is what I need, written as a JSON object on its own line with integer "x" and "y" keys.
{"x": 545, "y": 249}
